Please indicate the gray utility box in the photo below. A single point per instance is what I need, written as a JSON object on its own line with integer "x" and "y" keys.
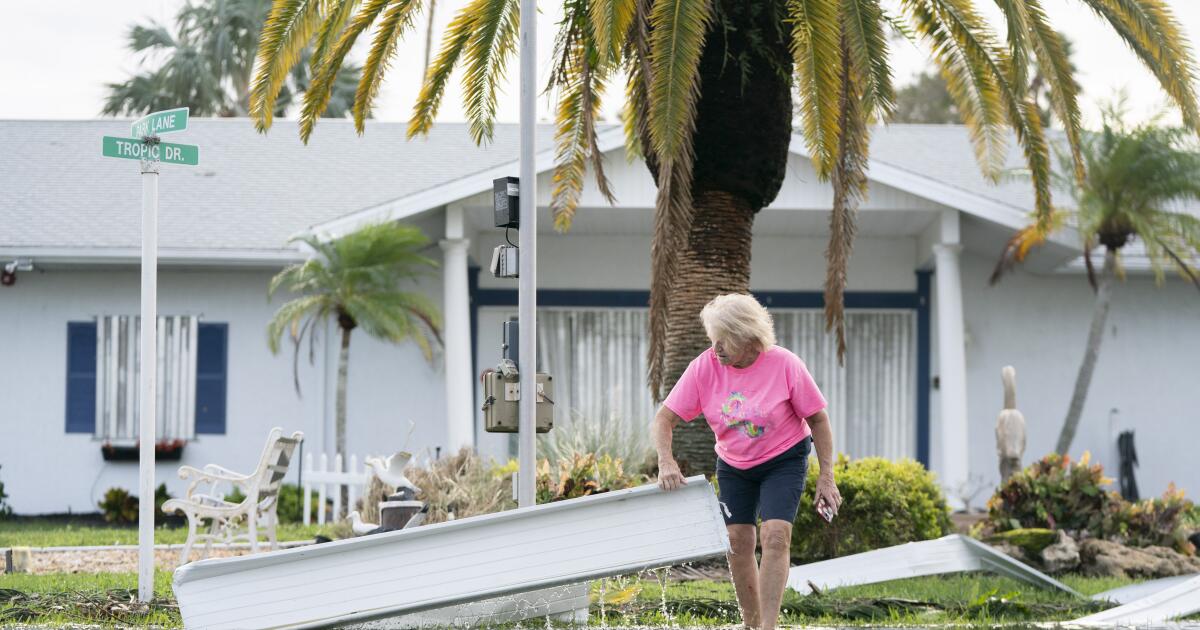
{"x": 501, "y": 403}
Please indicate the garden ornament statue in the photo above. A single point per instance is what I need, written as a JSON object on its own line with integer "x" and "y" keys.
{"x": 1010, "y": 427}
{"x": 401, "y": 509}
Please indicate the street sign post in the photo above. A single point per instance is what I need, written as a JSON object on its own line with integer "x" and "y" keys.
{"x": 166, "y": 121}
{"x": 150, "y": 151}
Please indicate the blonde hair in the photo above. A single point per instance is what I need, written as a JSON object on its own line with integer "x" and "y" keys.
{"x": 740, "y": 320}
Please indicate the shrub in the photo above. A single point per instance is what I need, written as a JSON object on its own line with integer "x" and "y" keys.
{"x": 583, "y": 475}
{"x": 616, "y": 436}
{"x": 885, "y": 503}
{"x": 1160, "y": 521}
{"x": 1056, "y": 494}
{"x": 463, "y": 484}
{"x": 289, "y": 503}
{"x": 119, "y": 507}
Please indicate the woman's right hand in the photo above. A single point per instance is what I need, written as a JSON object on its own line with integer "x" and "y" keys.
{"x": 669, "y": 476}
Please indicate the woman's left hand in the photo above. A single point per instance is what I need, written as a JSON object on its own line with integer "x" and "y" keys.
{"x": 827, "y": 491}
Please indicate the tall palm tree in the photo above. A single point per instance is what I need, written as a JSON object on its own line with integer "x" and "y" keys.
{"x": 357, "y": 280}
{"x": 708, "y": 105}
{"x": 207, "y": 64}
{"x": 1135, "y": 180}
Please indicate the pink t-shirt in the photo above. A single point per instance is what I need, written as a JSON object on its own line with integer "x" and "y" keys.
{"x": 756, "y": 412}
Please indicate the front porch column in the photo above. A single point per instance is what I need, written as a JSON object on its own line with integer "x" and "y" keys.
{"x": 952, "y": 370}
{"x": 460, "y": 390}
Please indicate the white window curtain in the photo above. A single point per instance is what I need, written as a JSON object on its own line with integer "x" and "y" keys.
{"x": 598, "y": 358}
{"x": 118, "y": 353}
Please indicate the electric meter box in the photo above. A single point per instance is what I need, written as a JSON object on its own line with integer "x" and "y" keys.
{"x": 501, "y": 406}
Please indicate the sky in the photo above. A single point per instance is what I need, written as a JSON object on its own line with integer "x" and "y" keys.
{"x": 59, "y": 55}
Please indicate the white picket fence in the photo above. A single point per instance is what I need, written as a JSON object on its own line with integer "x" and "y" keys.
{"x": 328, "y": 481}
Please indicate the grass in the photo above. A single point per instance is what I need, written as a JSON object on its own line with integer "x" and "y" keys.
{"x": 972, "y": 599}
{"x": 67, "y": 533}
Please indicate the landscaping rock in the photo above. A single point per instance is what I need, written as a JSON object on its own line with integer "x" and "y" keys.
{"x": 1010, "y": 550}
{"x": 1031, "y": 539}
{"x": 1062, "y": 556}
{"x": 1107, "y": 558}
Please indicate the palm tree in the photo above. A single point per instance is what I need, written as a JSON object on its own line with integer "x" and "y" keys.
{"x": 709, "y": 88}
{"x": 357, "y": 280}
{"x": 1135, "y": 180}
{"x": 207, "y": 64}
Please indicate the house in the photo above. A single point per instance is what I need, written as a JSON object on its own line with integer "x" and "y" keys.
{"x": 927, "y": 335}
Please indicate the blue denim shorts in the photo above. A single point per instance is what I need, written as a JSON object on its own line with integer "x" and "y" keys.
{"x": 770, "y": 490}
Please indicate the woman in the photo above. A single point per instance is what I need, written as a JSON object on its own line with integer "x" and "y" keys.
{"x": 767, "y": 413}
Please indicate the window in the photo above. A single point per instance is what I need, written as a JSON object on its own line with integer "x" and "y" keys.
{"x": 598, "y": 358}
{"x": 103, "y": 382}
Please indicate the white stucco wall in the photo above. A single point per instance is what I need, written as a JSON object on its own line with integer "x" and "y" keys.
{"x": 46, "y": 470}
{"x": 1147, "y": 370}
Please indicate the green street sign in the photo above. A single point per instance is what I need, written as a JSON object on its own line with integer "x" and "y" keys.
{"x": 166, "y": 121}
{"x": 135, "y": 149}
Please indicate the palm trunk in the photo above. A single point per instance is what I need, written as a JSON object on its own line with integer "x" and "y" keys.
{"x": 717, "y": 261}
{"x": 743, "y": 129}
{"x": 1095, "y": 336}
{"x": 340, "y": 432}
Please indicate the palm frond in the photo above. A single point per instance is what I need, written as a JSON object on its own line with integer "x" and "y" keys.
{"x": 816, "y": 51}
{"x": 580, "y": 77}
{"x": 862, "y": 27}
{"x": 488, "y": 49}
{"x": 285, "y": 34}
{"x": 454, "y": 41}
{"x": 637, "y": 87}
{"x": 970, "y": 34}
{"x": 677, "y": 35}
{"x": 676, "y": 41}
{"x": 316, "y": 99}
{"x": 1152, "y": 32}
{"x": 969, "y": 82}
{"x": 610, "y": 22}
{"x": 1054, "y": 63}
{"x": 849, "y": 180}
{"x": 395, "y": 22}
{"x": 335, "y": 21}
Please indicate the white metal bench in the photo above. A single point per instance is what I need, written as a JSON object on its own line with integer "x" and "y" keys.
{"x": 235, "y": 521}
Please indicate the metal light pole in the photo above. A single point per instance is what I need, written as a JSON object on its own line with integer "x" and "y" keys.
{"x": 527, "y": 286}
{"x": 149, "y": 363}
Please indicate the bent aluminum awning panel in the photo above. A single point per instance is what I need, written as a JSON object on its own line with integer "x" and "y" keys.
{"x": 447, "y": 564}
{"x": 949, "y": 554}
{"x": 1134, "y": 592}
{"x": 1172, "y": 602}
{"x": 563, "y": 603}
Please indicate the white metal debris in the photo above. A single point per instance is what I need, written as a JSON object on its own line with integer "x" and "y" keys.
{"x": 1134, "y": 592}
{"x": 1175, "y": 601}
{"x": 950, "y": 554}
{"x": 453, "y": 563}
{"x": 561, "y": 603}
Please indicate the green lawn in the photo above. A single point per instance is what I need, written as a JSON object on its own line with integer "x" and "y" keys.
{"x": 978, "y": 599}
{"x": 20, "y": 533}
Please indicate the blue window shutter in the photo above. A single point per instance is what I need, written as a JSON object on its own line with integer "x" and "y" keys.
{"x": 212, "y": 361}
{"x": 81, "y": 377}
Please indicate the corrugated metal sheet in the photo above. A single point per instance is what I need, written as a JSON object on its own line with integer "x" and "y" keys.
{"x": 118, "y": 348}
{"x": 456, "y": 562}
{"x": 599, "y": 359}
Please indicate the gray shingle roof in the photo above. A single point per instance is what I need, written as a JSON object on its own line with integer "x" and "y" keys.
{"x": 250, "y": 191}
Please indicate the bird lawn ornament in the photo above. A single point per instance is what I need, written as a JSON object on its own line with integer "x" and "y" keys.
{"x": 1010, "y": 427}
{"x": 359, "y": 526}
{"x": 391, "y": 470}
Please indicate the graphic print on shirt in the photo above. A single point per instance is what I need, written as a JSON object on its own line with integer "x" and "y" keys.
{"x": 737, "y": 413}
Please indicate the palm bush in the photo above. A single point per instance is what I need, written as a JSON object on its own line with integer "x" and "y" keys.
{"x": 1134, "y": 188}
{"x": 617, "y": 437}
{"x": 358, "y": 281}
